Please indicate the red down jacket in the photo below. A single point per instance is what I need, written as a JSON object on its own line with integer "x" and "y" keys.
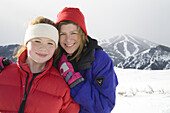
{"x": 48, "y": 93}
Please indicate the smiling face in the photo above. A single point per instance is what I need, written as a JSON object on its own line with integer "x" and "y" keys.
{"x": 69, "y": 38}
{"x": 40, "y": 50}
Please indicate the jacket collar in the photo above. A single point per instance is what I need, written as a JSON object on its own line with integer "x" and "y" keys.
{"x": 87, "y": 57}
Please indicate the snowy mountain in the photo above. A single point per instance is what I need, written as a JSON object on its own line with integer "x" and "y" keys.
{"x": 157, "y": 58}
{"x": 126, "y": 51}
{"x": 126, "y": 45}
{"x": 129, "y": 51}
{"x": 7, "y": 51}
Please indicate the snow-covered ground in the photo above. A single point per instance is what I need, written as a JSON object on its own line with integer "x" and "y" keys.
{"x": 142, "y": 91}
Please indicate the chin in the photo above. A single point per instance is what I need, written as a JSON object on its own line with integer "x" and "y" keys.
{"x": 42, "y": 60}
{"x": 69, "y": 52}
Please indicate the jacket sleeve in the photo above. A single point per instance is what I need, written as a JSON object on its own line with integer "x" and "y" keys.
{"x": 94, "y": 95}
{"x": 69, "y": 106}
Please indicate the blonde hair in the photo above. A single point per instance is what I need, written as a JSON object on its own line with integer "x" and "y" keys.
{"x": 37, "y": 20}
{"x": 83, "y": 42}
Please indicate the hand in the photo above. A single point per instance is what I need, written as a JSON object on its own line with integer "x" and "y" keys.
{"x": 4, "y": 62}
{"x": 67, "y": 71}
{"x": 65, "y": 66}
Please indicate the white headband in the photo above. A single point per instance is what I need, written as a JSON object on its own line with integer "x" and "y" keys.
{"x": 41, "y": 30}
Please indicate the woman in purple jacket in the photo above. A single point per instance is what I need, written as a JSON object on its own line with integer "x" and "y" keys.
{"x": 87, "y": 69}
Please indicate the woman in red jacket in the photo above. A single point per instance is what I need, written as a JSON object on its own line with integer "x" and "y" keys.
{"x": 33, "y": 85}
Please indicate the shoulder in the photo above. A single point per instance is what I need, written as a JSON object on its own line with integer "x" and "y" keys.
{"x": 55, "y": 73}
{"x": 56, "y": 77}
{"x": 101, "y": 56}
{"x": 10, "y": 68}
{"x": 102, "y": 60}
{"x": 10, "y": 74}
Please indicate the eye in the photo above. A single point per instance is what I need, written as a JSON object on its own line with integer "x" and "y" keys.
{"x": 37, "y": 41}
{"x": 61, "y": 34}
{"x": 73, "y": 33}
{"x": 50, "y": 43}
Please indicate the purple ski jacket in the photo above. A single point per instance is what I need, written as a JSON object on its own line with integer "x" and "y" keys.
{"x": 97, "y": 93}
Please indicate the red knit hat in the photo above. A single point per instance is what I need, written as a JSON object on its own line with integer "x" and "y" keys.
{"x": 72, "y": 14}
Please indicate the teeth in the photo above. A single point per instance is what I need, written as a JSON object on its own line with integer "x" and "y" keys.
{"x": 69, "y": 45}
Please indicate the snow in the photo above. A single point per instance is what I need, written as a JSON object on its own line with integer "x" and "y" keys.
{"x": 142, "y": 91}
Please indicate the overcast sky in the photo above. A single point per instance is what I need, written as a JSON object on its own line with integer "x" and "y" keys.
{"x": 148, "y": 19}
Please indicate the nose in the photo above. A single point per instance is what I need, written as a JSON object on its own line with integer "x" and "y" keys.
{"x": 43, "y": 47}
{"x": 68, "y": 38}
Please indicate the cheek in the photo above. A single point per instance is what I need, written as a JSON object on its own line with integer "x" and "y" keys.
{"x": 52, "y": 50}
{"x": 29, "y": 52}
{"x": 31, "y": 46}
{"x": 61, "y": 42}
{"x": 78, "y": 42}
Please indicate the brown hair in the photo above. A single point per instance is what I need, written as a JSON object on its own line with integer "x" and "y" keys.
{"x": 37, "y": 20}
{"x": 83, "y": 42}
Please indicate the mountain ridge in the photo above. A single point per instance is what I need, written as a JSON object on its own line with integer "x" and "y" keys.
{"x": 126, "y": 51}
{"x": 129, "y": 51}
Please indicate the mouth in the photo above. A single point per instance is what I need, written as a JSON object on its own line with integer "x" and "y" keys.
{"x": 41, "y": 54}
{"x": 69, "y": 45}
